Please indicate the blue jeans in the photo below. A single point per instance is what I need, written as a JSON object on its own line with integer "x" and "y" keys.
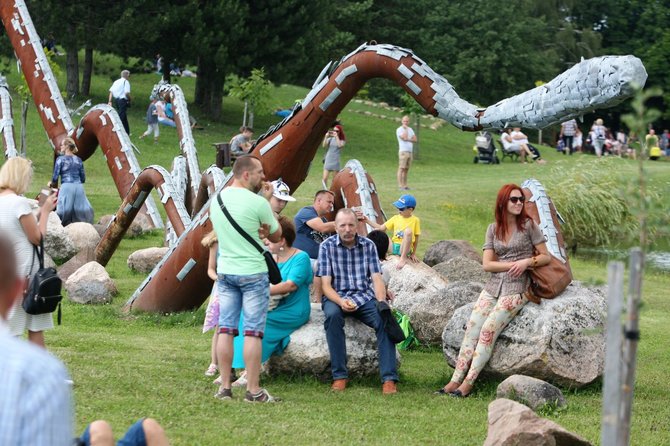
{"x": 334, "y": 325}
{"x": 134, "y": 436}
{"x": 250, "y": 294}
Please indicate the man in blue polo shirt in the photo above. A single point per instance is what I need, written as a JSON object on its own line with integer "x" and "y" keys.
{"x": 352, "y": 284}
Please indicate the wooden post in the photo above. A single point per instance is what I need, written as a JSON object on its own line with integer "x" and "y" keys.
{"x": 609, "y": 434}
{"x": 631, "y": 338}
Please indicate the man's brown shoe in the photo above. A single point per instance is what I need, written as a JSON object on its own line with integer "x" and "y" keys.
{"x": 389, "y": 388}
{"x": 339, "y": 385}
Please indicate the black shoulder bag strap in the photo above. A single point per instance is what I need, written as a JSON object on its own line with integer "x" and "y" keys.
{"x": 237, "y": 227}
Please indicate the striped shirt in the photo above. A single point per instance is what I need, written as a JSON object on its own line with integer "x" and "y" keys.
{"x": 35, "y": 401}
{"x": 351, "y": 269}
{"x": 569, "y": 128}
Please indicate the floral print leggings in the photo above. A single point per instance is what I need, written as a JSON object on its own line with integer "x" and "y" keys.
{"x": 489, "y": 317}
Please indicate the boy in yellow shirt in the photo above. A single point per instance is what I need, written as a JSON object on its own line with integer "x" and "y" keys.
{"x": 405, "y": 229}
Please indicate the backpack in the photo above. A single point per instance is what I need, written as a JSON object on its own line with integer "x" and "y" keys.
{"x": 44, "y": 291}
{"x": 550, "y": 280}
{"x": 406, "y": 326}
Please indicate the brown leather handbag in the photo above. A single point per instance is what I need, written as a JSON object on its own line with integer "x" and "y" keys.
{"x": 550, "y": 280}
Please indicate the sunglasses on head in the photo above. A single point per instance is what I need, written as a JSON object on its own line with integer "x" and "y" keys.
{"x": 515, "y": 200}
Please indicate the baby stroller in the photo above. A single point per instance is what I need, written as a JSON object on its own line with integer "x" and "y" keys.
{"x": 485, "y": 150}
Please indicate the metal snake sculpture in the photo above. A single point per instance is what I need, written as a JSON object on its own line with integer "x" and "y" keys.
{"x": 179, "y": 281}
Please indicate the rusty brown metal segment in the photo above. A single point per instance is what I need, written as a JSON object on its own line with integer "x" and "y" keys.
{"x": 22, "y": 34}
{"x": 153, "y": 177}
{"x": 180, "y": 281}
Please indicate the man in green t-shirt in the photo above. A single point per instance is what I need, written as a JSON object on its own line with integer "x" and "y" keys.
{"x": 243, "y": 283}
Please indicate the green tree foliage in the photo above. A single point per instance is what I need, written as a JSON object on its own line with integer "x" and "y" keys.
{"x": 254, "y": 91}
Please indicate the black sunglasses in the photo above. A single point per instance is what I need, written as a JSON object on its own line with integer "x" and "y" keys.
{"x": 515, "y": 200}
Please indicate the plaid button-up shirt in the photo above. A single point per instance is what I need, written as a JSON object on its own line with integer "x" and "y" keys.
{"x": 351, "y": 269}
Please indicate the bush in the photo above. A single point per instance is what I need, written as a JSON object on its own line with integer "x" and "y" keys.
{"x": 594, "y": 206}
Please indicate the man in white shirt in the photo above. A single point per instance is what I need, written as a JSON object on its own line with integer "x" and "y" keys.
{"x": 119, "y": 96}
{"x": 406, "y": 140}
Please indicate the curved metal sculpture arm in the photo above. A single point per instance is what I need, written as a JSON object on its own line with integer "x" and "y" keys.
{"x": 153, "y": 177}
{"x": 7, "y": 120}
{"x": 179, "y": 281}
{"x": 35, "y": 66}
{"x": 175, "y": 95}
{"x": 101, "y": 126}
{"x": 591, "y": 84}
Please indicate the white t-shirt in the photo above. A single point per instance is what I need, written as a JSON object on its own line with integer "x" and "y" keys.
{"x": 120, "y": 88}
{"x": 405, "y": 146}
{"x": 517, "y": 140}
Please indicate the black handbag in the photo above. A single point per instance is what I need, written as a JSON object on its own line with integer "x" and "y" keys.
{"x": 391, "y": 325}
{"x": 273, "y": 269}
{"x": 44, "y": 290}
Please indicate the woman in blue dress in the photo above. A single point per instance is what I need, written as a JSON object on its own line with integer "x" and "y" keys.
{"x": 73, "y": 206}
{"x": 290, "y": 299}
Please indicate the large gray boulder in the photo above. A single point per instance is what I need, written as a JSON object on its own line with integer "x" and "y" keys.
{"x": 448, "y": 249}
{"x": 307, "y": 353}
{"x": 57, "y": 242}
{"x": 462, "y": 268}
{"x": 138, "y": 226}
{"x": 428, "y": 299}
{"x": 83, "y": 235}
{"x": 530, "y": 391}
{"x": 90, "y": 284}
{"x": 511, "y": 423}
{"x": 560, "y": 340}
{"x": 144, "y": 260}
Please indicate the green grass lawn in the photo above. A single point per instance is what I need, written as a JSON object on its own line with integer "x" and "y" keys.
{"x": 129, "y": 366}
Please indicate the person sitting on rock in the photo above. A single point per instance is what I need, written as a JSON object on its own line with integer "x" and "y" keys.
{"x": 352, "y": 283}
{"x": 509, "y": 248}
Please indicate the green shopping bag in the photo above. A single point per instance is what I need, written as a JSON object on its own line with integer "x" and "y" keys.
{"x": 403, "y": 321}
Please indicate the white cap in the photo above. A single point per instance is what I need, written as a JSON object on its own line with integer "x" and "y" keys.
{"x": 281, "y": 191}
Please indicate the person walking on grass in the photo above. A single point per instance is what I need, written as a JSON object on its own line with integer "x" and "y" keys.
{"x": 406, "y": 140}
{"x": 152, "y": 121}
{"x": 352, "y": 285}
{"x": 405, "y": 227}
{"x": 119, "y": 97}
{"x": 243, "y": 284}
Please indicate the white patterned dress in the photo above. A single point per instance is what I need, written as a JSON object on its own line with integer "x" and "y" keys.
{"x": 12, "y": 208}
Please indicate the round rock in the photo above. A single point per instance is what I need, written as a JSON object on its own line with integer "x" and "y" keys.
{"x": 428, "y": 299}
{"x": 307, "y": 353}
{"x": 530, "y": 391}
{"x": 462, "y": 268}
{"x": 90, "y": 284}
{"x": 448, "y": 249}
{"x": 83, "y": 235}
{"x": 144, "y": 260}
{"x": 560, "y": 340}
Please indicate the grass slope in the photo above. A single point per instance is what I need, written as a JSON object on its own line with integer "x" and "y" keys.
{"x": 129, "y": 366}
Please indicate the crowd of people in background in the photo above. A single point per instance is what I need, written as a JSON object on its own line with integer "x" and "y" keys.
{"x": 603, "y": 141}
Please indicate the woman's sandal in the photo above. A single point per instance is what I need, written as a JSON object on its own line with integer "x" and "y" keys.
{"x": 458, "y": 394}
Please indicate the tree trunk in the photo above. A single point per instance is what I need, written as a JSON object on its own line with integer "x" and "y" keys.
{"x": 88, "y": 71}
{"x": 209, "y": 89}
{"x": 24, "y": 122}
{"x": 72, "y": 70}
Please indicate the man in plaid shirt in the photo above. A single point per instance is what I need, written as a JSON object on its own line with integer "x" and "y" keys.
{"x": 352, "y": 284}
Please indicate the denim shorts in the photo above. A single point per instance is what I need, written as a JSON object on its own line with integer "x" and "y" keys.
{"x": 134, "y": 436}
{"x": 250, "y": 294}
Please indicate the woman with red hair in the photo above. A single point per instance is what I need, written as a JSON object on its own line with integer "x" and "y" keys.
{"x": 514, "y": 244}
